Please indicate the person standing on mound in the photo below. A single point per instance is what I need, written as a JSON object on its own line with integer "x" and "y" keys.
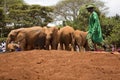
{"x": 94, "y": 35}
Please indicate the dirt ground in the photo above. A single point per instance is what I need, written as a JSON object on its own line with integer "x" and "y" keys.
{"x": 59, "y": 65}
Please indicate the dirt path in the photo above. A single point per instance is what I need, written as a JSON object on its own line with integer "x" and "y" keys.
{"x": 59, "y": 65}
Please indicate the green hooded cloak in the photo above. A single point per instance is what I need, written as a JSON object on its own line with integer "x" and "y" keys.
{"x": 95, "y": 28}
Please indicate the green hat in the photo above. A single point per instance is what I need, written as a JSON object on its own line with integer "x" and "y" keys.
{"x": 90, "y": 6}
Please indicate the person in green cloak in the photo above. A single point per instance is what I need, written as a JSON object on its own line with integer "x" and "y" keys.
{"x": 94, "y": 35}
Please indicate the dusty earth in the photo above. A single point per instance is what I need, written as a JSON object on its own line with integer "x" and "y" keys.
{"x": 59, "y": 65}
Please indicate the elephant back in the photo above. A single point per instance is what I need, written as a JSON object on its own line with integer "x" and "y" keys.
{"x": 66, "y": 33}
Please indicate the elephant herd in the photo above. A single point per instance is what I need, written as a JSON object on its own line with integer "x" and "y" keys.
{"x": 65, "y": 38}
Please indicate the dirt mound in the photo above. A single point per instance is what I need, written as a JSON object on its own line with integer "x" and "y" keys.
{"x": 59, "y": 65}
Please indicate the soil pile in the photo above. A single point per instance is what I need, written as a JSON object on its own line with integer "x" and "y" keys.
{"x": 59, "y": 65}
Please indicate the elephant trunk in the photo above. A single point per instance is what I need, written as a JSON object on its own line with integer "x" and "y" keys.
{"x": 7, "y": 42}
{"x": 47, "y": 44}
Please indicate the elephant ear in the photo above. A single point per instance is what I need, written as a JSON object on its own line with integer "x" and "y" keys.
{"x": 13, "y": 34}
{"x": 21, "y": 36}
{"x": 11, "y": 38}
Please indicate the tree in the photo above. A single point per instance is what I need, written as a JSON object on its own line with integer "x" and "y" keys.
{"x": 68, "y": 10}
{"x": 114, "y": 31}
{"x": 19, "y": 14}
{"x": 6, "y": 6}
{"x": 1, "y": 21}
{"x": 30, "y": 15}
{"x": 74, "y": 13}
{"x": 107, "y": 25}
{"x": 22, "y": 14}
{"x": 40, "y": 15}
{"x": 1, "y": 17}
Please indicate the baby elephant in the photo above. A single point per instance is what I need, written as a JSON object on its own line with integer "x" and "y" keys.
{"x": 13, "y": 47}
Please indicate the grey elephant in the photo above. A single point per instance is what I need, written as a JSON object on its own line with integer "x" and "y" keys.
{"x": 66, "y": 37}
{"x": 51, "y": 37}
{"x": 13, "y": 47}
{"x": 26, "y": 37}
{"x": 12, "y": 36}
{"x": 79, "y": 40}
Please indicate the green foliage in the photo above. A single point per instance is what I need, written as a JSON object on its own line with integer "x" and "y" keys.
{"x": 18, "y": 14}
{"x": 1, "y": 17}
{"x": 114, "y": 37}
{"x": 34, "y": 15}
{"x": 2, "y": 39}
{"x": 107, "y": 25}
{"x": 83, "y": 18}
{"x": 111, "y": 29}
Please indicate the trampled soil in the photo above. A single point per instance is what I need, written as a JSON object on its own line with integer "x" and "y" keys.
{"x": 59, "y": 65}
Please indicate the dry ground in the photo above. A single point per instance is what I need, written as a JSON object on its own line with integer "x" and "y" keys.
{"x": 59, "y": 65}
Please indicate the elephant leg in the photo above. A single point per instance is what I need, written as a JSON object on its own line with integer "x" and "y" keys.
{"x": 54, "y": 46}
{"x": 30, "y": 47}
{"x": 22, "y": 45}
{"x": 47, "y": 43}
{"x": 42, "y": 46}
{"x": 80, "y": 48}
{"x": 61, "y": 45}
{"x": 47, "y": 47}
{"x": 67, "y": 47}
{"x": 74, "y": 47}
{"x": 86, "y": 46}
{"x": 40, "y": 42}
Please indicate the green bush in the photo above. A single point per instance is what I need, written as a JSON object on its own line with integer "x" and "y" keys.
{"x": 3, "y": 39}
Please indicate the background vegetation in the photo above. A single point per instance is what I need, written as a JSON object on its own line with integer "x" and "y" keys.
{"x": 16, "y": 13}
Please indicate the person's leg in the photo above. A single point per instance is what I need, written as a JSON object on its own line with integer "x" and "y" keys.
{"x": 90, "y": 42}
{"x": 95, "y": 47}
{"x": 103, "y": 45}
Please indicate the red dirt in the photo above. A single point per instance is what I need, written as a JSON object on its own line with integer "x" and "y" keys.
{"x": 59, "y": 65}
